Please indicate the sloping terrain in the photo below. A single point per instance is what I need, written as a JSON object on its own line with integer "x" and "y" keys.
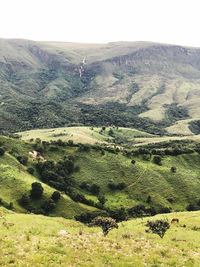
{"x": 147, "y": 86}
{"x": 35, "y": 240}
{"x": 88, "y": 173}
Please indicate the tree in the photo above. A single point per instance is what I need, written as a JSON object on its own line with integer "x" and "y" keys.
{"x": 37, "y": 190}
{"x": 95, "y": 189}
{"x": 48, "y": 205}
{"x": 24, "y": 201}
{"x": 102, "y": 199}
{"x": 55, "y": 196}
{"x": 30, "y": 170}
{"x": 2, "y": 151}
{"x": 157, "y": 160}
{"x": 173, "y": 169}
{"x": 106, "y": 223}
{"x": 23, "y": 159}
{"x": 158, "y": 227}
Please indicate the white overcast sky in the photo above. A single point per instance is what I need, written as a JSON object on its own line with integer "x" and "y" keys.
{"x": 102, "y": 21}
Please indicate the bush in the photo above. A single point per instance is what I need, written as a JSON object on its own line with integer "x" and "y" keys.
{"x": 2, "y": 151}
{"x": 55, "y": 196}
{"x": 158, "y": 227}
{"x": 121, "y": 186}
{"x": 48, "y": 205}
{"x": 112, "y": 186}
{"x": 173, "y": 169}
{"x": 106, "y": 223}
{"x": 95, "y": 189}
{"x": 157, "y": 160}
{"x": 23, "y": 160}
{"x": 24, "y": 201}
{"x": 133, "y": 161}
{"x": 30, "y": 170}
{"x": 37, "y": 190}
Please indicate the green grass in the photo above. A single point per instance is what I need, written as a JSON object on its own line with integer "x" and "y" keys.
{"x": 142, "y": 179}
{"x": 35, "y": 240}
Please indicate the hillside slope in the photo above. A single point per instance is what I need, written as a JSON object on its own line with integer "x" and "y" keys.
{"x": 138, "y": 84}
{"x": 35, "y": 240}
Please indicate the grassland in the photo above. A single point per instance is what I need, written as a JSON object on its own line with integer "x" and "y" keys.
{"x": 35, "y": 240}
{"x": 142, "y": 179}
{"x": 85, "y": 135}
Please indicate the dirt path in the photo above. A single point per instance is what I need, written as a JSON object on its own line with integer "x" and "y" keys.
{"x": 139, "y": 178}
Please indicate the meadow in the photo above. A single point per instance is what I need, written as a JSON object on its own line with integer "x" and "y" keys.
{"x": 36, "y": 240}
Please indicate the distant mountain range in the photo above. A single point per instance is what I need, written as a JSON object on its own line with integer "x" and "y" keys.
{"x": 149, "y": 86}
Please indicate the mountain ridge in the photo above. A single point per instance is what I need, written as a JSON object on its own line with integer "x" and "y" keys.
{"x": 56, "y": 77}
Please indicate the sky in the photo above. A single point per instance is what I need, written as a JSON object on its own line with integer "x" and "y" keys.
{"x": 102, "y": 21}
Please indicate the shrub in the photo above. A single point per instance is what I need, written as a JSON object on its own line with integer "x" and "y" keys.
{"x": 95, "y": 189}
{"x": 157, "y": 160}
{"x": 158, "y": 227}
{"x": 121, "y": 186}
{"x": 106, "y": 223}
{"x": 102, "y": 199}
{"x": 23, "y": 160}
{"x": 133, "y": 161}
{"x": 173, "y": 169}
{"x": 112, "y": 186}
{"x": 2, "y": 151}
{"x": 55, "y": 196}
{"x": 37, "y": 190}
{"x": 48, "y": 205}
{"x": 30, "y": 170}
{"x": 24, "y": 201}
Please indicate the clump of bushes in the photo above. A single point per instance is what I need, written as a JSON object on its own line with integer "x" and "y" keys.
{"x": 37, "y": 190}
{"x": 119, "y": 186}
{"x": 23, "y": 159}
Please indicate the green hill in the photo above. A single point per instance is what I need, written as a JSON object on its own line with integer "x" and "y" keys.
{"x": 35, "y": 240}
{"x": 148, "y": 86}
{"x": 124, "y": 178}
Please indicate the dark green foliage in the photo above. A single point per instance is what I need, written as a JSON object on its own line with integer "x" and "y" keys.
{"x": 175, "y": 112}
{"x": 194, "y": 126}
{"x": 118, "y": 214}
{"x": 133, "y": 161}
{"x": 2, "y": 151}
{"x": 30, "y": 170}
{"x": 149, "y": 199}
{"x": 48, "y": 205}
{"x": 112, "y": 186}
{"x": 158, "y": 227}
{"x": 87, "y": 217}
{"x": 55, "y": 196}
{"x": 102, "y": 200}
{"x": 95, "y": 189}
{"x": 157, "y": 160}
{"x": 173, "y": 169}
{"x": 25, "y": 200}
{"x": 106, "y": 223}
{"x": 111, "y": 133}
{"x": 37, "y": 190}
{"x": 23, "y": 160}
{"x": 121, "y": 186}
{"x": 85, "y": 185}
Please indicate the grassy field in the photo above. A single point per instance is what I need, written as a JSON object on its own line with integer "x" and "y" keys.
{"x": 85, "y": 135}
{"x": 35, "y": 240}
{"x": 15, "y": 181}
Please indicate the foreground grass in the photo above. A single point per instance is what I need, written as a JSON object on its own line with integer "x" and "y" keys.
{"x": 35, "y": 240}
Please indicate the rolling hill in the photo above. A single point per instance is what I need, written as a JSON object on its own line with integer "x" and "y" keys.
{"x": 148, "y": 86}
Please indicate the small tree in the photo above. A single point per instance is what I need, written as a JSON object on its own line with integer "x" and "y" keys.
{"x": 37, "y": 190}
{"x": 95, "y": 189}
{"x": 173, "y": 169}
{"x": 157, "y": 160}
{"x": 55, "y": 196}
{"x": 158, "y": 227}
{"x": 102, "y": 199}
{"x": 48, "y": 205}
{"x": 2, "y": 151}
{"x": 30, "y": 170}
{"x": 106, "y": 223}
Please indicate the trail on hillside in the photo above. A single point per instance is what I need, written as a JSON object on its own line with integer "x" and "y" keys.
{"x": 139, "y": 178}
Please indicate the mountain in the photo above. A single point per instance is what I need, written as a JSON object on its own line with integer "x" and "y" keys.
{"x": 148, "y": 86}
